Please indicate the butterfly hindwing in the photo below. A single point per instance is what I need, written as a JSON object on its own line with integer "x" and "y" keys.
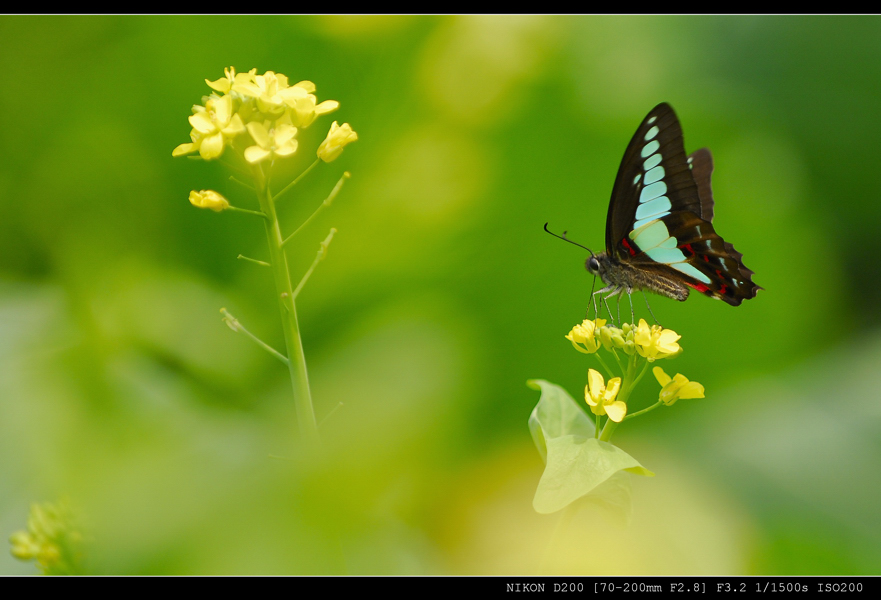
{"x": 701, "y": 163}
{"x": 701, "y": 260}
{"x": 661, "y": 212}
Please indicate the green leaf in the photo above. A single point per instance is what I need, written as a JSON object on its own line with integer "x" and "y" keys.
{"x": 555, "y": 415}
{"x": 577, "y": 464}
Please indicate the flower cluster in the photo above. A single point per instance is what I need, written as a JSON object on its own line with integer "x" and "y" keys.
{"x": 52, "y": 539}
{"x": 640, "y": 344}
{"x": 649, "y": 342}
{"x": 259, "y": 116}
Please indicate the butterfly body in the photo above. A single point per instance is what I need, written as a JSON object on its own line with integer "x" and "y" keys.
{"x": 659, "y": 232}
{"x": 621, "y": 276}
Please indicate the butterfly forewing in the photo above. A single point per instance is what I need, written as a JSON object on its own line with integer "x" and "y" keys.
{"x": 654, "y": 173}
{"x": 661, "y": 212}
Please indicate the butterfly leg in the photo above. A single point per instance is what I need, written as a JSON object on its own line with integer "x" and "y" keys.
{"x": 595, "y": 311}
{"x": 650, "y": 308}
{"x": 619, "y": 309}
{"x": 594, "y": 295}
{"x": 632, "y": 314}
{"x": 615, "y": 291}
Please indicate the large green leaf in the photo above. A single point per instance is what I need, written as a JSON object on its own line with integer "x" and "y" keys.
{"x": 577, "y": 464}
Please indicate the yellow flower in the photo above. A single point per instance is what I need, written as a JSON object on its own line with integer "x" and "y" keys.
{"x": 208, "y": 199}
{"x": 213, "y": 124}
{"x": 223, "y": 84}
{"x": 677, "y": 387}
{"x": 601, "y": 399}
{"x": 268, "y": 89}
{"x": 300, "y": 98}
{"x": 655, "y": 342}
{"x": 182, "y": 149}
{"x": 52, "y": 539}
{"x": 337, "y": 138}
{"x": 585, "y": 334}
{"x": 279, "y": 140}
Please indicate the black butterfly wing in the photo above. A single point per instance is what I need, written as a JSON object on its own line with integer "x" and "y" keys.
{"x": 654, "y": 162}
{"x": 661, "y": 211}
{"x": 701, "y": 162}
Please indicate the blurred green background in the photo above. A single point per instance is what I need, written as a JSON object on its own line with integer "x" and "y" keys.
{"x": 176, "y": 439}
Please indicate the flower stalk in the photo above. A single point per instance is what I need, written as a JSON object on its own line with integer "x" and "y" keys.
{"x": 259, "y": 117}
{"x": 278, "y": 262}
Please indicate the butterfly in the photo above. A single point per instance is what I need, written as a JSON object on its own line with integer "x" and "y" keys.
{"x": 659, "y": 229}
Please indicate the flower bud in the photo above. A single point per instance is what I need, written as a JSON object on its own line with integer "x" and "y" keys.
{"x": 337, "y": 138}
{"x": 208, "y": 199}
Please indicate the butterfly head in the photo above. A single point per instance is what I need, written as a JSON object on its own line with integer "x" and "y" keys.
{"x": 598, "y": 264}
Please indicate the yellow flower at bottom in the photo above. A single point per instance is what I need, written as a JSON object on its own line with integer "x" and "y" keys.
{"x": 655, "y": 342}
{"x": 601, "y": 399}
{"x": 672, "y": 389}
{"x": 583, "y": 336}
{"x": 337, "y": 138}
{"x": 208, "y": 199}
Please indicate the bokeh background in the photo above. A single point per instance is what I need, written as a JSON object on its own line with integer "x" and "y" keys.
{"x": 176, "y": 439}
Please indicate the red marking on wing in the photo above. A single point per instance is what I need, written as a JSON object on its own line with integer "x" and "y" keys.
{"x": 698, "y": 286}
{"x": 689, "y": 248}
{"x": 724, "y": 287}
{"x": 629, "y": 247}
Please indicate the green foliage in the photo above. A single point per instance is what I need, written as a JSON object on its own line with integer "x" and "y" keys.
{"x": 577, "y": 464}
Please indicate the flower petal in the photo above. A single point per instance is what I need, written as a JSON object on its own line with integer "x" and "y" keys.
{"x": 184, "y": 149}
{"x": 661, "y": 376}
{"x": 259, "y": 133}
{"x": 692, "y": 389}
{"x": 616, "y": 411}
{"x": 212, "y": 146}
{"x": 255, "y": 154}
{"x": 612, "y": 389}
{"x": 202, "y": 123}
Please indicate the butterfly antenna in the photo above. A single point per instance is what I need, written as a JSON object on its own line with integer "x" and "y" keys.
{"x": 565, "y": 239}
{"x": 650, "y": 308}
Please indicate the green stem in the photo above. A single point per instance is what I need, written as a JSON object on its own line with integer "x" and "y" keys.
{"x": 322, "y": 206}
{"x": 296, "y": 357}
{"x": 241, "y": 183}
{"x": 245, "y": 210}
{"x": 641, "y": 373}
{"x": 322, "y": 252}
{"x": 643, "y": 411}
{"x": 233, "y": 167}
{"x": 295, "y": 181}
{"x": 234, "y": 324}
{"x": 604, "y": 365}
{"x": 262, "y": 263}
{"x": 333, "y": 410}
